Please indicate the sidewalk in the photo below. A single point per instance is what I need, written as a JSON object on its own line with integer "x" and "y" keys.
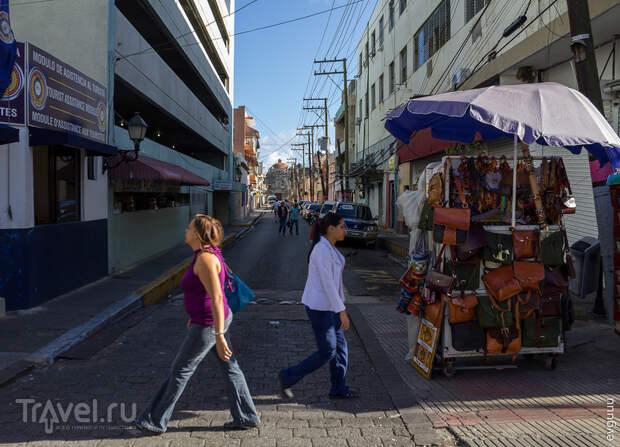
{"x": 38, "y": 336}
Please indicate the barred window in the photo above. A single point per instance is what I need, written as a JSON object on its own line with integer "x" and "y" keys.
{"x": 433, "y": 34}
{"x": 391, "y": 10}
{"x": 403, "y": 65}
{"x": 381, "y": 26}
{"x": 403, "y": 5}
{"x": 392, "y": 78}
{"x": 473, "y": 7}
{"x": 381, "y": 92}
{"x": 373, "y": 95}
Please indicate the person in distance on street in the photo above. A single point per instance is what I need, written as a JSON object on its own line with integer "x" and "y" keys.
{"x": 283, "y": 215}
{"x": 294, "y": 218}
{"x": 324, "y": 300}
{"x": 210, "y": 317}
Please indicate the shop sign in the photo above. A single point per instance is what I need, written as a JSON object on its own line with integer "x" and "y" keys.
{"x": 222, "y": 185}
{"x": 137, "y": 185}
{"x": 12, "y": 103}
{"x": 61, "y": 97}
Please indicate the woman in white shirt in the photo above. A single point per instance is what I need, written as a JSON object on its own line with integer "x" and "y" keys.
{"x": 324, "y": 300}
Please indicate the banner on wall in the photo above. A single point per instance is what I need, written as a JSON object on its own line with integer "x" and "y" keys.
{"x": 12, "y": 103}
{"x": 63, "y": 98}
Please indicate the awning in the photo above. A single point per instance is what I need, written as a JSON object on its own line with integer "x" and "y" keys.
{"x": 42, "y": 137}
{"x": 422, "y": 145}
{"x": 147, "y": 168}
{"x": 8, "y": 134}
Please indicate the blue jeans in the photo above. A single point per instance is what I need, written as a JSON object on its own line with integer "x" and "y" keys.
{"x": 294, "y": 222}
{"x": 282, "y": 228}
{"x": 198, "y": 342}
{"x": 332, "y": 348}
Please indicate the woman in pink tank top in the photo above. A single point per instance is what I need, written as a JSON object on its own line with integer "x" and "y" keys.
{"x": 205, "y": 302}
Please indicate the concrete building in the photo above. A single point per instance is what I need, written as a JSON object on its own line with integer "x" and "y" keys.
{"x": 69, "y": 215}
{"x": 246, "y": 143}
{"x": 339, "y": 125}
{"x": 420, "y": 48}
{"x": 278, "y": 181}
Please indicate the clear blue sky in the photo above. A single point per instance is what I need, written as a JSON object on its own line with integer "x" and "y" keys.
{"x": 273, "y": 66}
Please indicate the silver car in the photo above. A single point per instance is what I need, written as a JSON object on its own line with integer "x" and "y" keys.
{"x": 360, "y": 224}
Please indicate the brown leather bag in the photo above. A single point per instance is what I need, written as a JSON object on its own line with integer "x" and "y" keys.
{"x": 528, "y": 304}
{"x": 438, "y": 282}
{"x": 524, "y": 244}
{"x": 501, "y": 283}
{"x": 462, "y": 309}
{"x": 451, "y": 225}
{"x": 434, "y": 312}
{"x": 503, "y": 340}
{"x": 468, "y": 253}
{"x": 529, "y": 274}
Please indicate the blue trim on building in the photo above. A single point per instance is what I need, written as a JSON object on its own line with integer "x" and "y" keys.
{"x": 41, "y": 263}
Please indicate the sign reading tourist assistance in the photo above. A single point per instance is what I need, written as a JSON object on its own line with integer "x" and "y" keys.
{"x": 12, "y": 109}
{"x": 63, "y": 98}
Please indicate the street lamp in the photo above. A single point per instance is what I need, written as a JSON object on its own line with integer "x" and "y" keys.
{"x": 137, "y": 131}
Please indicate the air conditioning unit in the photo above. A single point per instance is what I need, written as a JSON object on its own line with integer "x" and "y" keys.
{"x": 460, "y": 75}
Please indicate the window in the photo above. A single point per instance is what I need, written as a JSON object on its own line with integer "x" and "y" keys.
{"x": 366, "y": 108}
{"x": 381, "y": 26}
{"x": 359, "y": 65}
{"x": 373, "y": 43}
{"x": 403, "y": 65}
{"x": 473, "y": 7}
{"x": 381, "y": 92}
{"x": 403, "y": 5}
{"x": 56, "y": 184}
{"x": 433, "y": 34}
{"x": 392, "y": 79}
{"x": 361, "y": 108}
{"x": 391, "y": 15}
{"x": 373, "y": 96}
{"x": 366, "y": 53}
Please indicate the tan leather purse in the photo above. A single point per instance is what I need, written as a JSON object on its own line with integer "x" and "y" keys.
{"x": 524, "y": 244}
{"x": 462, "y": 309}
{"x": 501, "y": 283}
{"x": 529, "y": 274}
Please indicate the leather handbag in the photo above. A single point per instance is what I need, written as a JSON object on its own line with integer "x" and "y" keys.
{"x": 435, "y": 190}
{"x": 550, "y": 304}
{"x": 501, "y": 283}
{"x": 463, "y": 308}
{"x": 505, "y": 340}
{"x": 467, "y": 275}
{"x": 542, "y": 333}
{"x": 470, "y": 250}
{"x": 426, "y": 217}
{"x": 524, "y": 244}
{"x": 451, "y": 225}
{"x": 438, "y": 282}
{"x": 491, "y": 314}
{"x": 499, "y": 249}
{"x": 552, "y": 248}
{"x": 557, "y": 279}
{"x": 529, "y": 304}
{"x": 467, "y": 336}
{"x": 529, "y": 274}
{"x": 433, "y": 313}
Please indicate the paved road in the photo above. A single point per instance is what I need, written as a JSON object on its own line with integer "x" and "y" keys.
{"x": 125, "y": 365}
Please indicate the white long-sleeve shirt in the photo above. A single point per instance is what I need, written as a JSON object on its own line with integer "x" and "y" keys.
{"x": 324, "y": 289}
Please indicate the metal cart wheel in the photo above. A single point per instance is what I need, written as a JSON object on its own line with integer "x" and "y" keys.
{"x": 449, "y": 370}
{"x": 551, "y": 363}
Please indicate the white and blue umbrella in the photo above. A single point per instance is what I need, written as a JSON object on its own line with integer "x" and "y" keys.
{"x": 547, "y": 113}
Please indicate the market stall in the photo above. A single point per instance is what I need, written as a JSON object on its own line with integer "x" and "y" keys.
{"x": 490, "y": 267}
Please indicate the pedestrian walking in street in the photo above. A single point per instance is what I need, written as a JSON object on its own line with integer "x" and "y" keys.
{"x": 294, "y": 218}
{"x": 210, "y": 318}
{"x": 324, "y": 300}
{"x": 287, "y": 204}
{"x": 276, "y": 205}
{"x": 283, "y": 216}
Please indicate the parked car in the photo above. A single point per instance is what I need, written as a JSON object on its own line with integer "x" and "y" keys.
{"x": 313, "y": 212}
{"x": 360, "y": 224}
{"x": 271, "y": 200}
{"x": 327, "y": 206}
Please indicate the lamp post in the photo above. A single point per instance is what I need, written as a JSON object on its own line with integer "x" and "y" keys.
{"x": 137, "y": 131}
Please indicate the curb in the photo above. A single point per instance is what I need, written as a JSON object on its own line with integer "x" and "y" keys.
{"x": 147, "y": 295}
{"x": 413, "y": 415}
{"x": 394, "y": 249}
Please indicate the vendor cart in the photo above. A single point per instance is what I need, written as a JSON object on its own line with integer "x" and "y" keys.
{"x": 517, "y": 112}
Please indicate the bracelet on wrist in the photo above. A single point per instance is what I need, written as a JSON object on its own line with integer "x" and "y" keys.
{"x": 220, "y": 333}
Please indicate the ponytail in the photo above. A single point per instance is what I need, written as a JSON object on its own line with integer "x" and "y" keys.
{"x": 320, "y": 228}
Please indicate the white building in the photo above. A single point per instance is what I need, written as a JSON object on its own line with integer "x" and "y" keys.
{"x": 422, "y": 48}
{"x": 65, "y": 219}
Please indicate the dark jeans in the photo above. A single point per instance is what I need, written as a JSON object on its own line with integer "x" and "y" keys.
{"x": 282, "y": 228}
{"x": 332, "y": 348}
{"x": 198, "y": 342}
{"x": 296, "y": 224}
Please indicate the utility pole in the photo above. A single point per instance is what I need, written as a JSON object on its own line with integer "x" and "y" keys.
{"x": 583, "y": 51}
{"x": 311, "y": 136}
{"x": 343, "y": 178}
{"x": 303, "y": 161}
{"x": 294, "y": 183}
{"x": 311, "y": 161}
{"x": 326, "y": 126}
{"x": 586, "y": 70}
